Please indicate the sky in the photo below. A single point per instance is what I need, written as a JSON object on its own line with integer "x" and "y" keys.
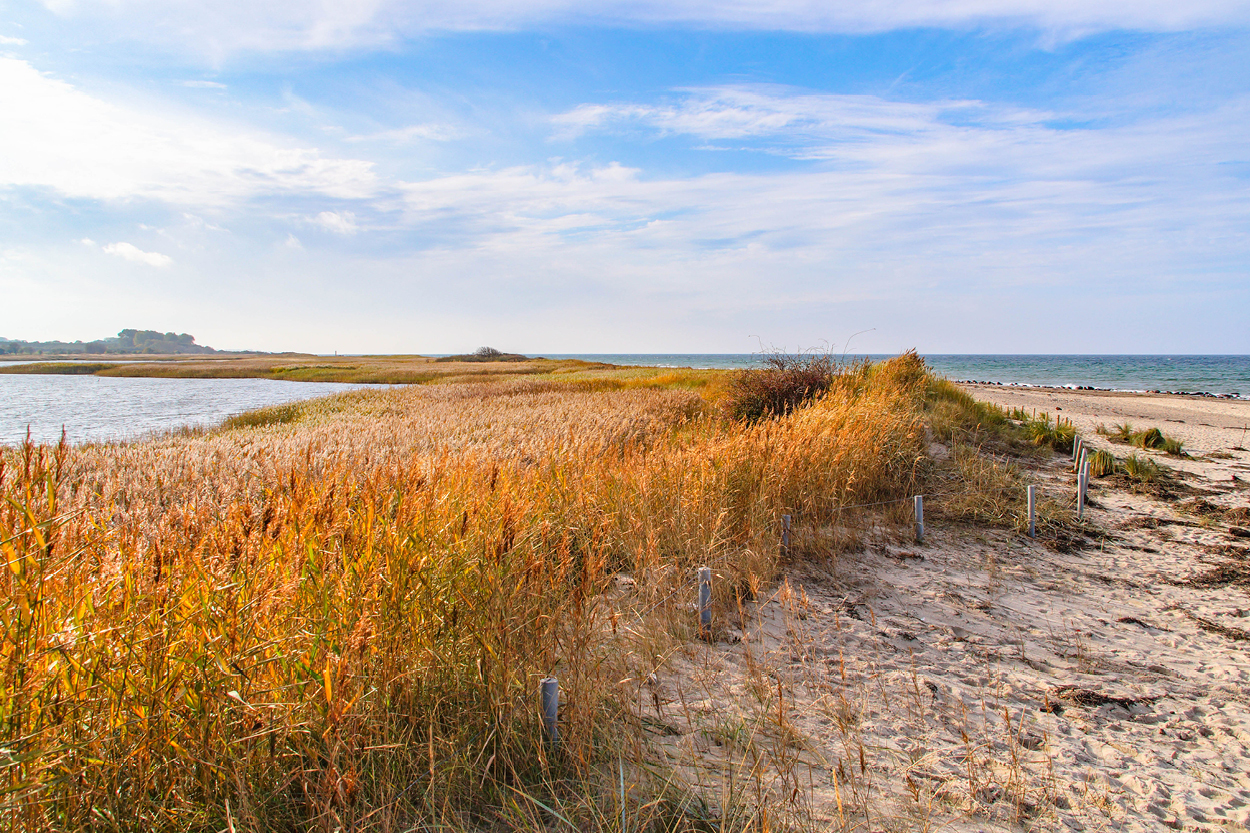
{"x": 390, "y": 176}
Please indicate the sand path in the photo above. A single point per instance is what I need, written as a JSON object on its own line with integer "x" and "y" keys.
{"x": 982, "y": 681}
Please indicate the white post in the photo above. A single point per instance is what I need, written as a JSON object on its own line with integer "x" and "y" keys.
{"x": 1082, "y": 483}
{"x": 920, "y": 518}
{"x": 1076, "y": 448}
{"x": 1032, "y": 511}
{"x": 785, "y": 534}
{"x": 705, "y": 602}
{"x": 550, "y": 688}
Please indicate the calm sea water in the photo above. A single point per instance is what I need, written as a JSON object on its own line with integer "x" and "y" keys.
{"x": 1220, "y": 375}
{"x": 95, "y": 408}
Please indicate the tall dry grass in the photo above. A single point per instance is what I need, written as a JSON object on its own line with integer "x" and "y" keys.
{"x": 337, "y": 620}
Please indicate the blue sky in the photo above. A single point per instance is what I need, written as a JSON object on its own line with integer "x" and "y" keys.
{"x": 380, "y": 176}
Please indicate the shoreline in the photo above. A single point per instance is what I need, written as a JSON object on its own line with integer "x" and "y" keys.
{"x": 1204, "y": 424}
{"x": 1234, "y": 397}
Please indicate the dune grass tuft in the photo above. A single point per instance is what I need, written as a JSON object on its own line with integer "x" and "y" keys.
{"x": 1102, "y": 463}
{"x": 1141, "y": 469}
{"x": 1146, "y": 439}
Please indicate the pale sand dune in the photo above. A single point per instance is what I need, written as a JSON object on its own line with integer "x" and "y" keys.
{"x": 982, "y": 681}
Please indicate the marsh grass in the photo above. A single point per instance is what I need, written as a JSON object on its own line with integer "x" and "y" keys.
{"x": 272, "y": 415}
{"x": 334, "y": 615}
{"x": 59, "y": 368}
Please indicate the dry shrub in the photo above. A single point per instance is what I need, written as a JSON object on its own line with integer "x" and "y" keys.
{"x": 339, "y": 620}
{"x": 784, "y": 383}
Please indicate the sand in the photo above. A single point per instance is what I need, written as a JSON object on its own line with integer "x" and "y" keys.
{"x": 985, "y": 681}
{"x": 1204, "y": 423}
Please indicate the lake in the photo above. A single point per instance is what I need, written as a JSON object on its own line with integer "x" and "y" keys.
{"x": 98, "y": 408}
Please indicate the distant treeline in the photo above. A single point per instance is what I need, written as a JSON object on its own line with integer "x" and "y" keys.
{"x": 127, "y": 341}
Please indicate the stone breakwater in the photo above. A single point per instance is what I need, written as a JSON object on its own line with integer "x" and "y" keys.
{"x": 1200, "y": 393}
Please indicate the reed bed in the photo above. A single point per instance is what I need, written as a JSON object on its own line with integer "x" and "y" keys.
{"x": 336, "y": 619}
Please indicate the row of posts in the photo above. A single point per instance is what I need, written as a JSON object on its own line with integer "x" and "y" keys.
{"x": 550, "y": 686}
{"x": 1080, "y": 464}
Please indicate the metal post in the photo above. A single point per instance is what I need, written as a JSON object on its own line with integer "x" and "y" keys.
{"x": 550, "y": 688}
{"x": 1032, "y": 511}
{"x": 705, "y": 602}
{"x": 785, "y": 534}
{"x": 1076, "y": 448}
{"x": 920, "y": 518}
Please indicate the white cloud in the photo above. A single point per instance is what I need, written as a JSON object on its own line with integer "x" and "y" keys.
{"x": 137, "y": 255}
{"x": 203, "y": 85}
{"x": 58, "y": 136}
{"x": 232, "y": 25}
{"x": 337, "y": 222}
{"x": 87, "y": 241}
{"x": 5, "y": 40}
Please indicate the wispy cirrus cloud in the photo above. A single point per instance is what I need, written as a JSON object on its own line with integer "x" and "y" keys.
{"x": 411, "y": 133}
{"x": 989, "y": 191}
{"x": 798, "y": 117}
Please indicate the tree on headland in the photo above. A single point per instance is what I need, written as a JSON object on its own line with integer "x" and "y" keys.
{"x": 127, "y": 342}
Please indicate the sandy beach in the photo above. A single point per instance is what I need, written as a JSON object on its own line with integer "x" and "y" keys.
{"x": 985, "y": 681}
{"x": 1204, "y": 423}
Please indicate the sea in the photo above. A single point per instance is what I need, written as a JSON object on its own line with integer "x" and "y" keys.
{"x": 101, "y": 409}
